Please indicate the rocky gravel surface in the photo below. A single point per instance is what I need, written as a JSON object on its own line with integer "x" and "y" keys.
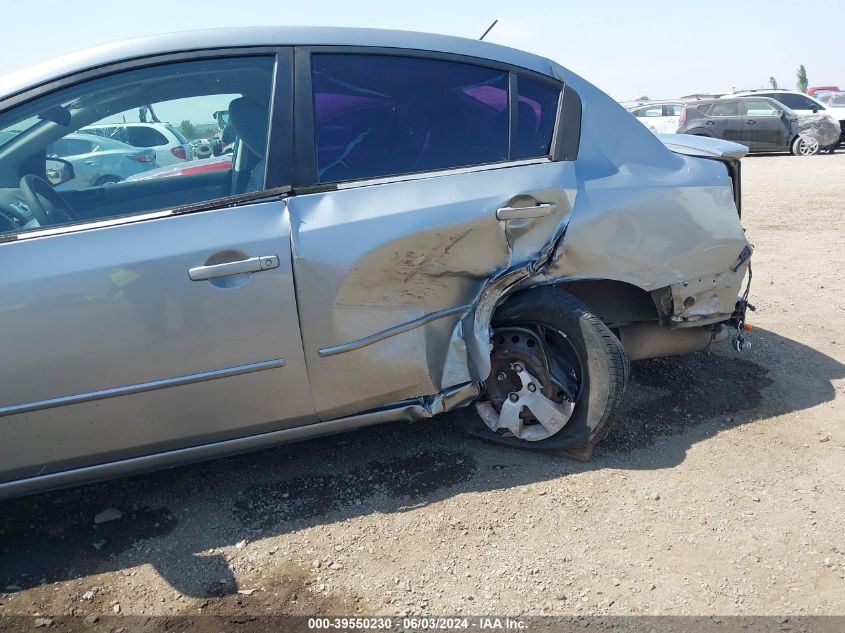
{"x": 720, "y": 489}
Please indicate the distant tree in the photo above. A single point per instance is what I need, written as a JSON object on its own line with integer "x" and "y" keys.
{"x": 643, "y": 98}
{"x": 774, "y": 82}
{"x": 801, "y": 79}
{"x": 188, "y": 129}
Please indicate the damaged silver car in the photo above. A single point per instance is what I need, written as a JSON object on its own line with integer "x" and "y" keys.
{"x": 409, "y": 224}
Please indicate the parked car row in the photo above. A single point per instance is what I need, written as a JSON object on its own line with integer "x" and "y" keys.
{"x": 763, "y": 120}
{"x": 108, "y": 153}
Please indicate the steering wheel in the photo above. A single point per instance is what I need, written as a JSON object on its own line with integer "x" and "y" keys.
{"x": 34, "y": 189}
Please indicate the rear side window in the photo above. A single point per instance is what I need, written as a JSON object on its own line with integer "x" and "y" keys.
{"x": 175, "y": 132}
{"x": 794, "y": 102}
{"x": 536, "y": 115}
{"x": 760, "y": 108}
{"x": 728, "y": 108}
{"x": 382, "y": 115}
{"x": 142, "y": 136}
{"x": 650, "y": 111}
{"x": 70, "y": 147}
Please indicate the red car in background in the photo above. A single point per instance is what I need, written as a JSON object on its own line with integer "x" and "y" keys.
{"x": 812, "y": 90}
{"x": 215, "y": 163}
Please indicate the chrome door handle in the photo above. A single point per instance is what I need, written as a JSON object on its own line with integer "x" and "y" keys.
{"x": 524, "y": 213}
{"x": 251, "y": 265}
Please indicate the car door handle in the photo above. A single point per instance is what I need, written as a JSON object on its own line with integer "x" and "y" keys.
{"x": 524, "y": 213}
{"x": 751, "y": 122}
{"x": 251, "y": 265}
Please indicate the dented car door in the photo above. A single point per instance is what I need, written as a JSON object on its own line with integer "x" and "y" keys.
{"x": 423, "y": 199}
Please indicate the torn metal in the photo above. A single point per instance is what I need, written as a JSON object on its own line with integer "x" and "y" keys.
{"x": 818, "y": 129}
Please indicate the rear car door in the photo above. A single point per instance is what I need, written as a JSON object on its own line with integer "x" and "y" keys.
{"x": 422, "y": 176}
{"x": 651, "y": 116}
{"x": 763, "y": 126}
{"x": 166, "y": 318}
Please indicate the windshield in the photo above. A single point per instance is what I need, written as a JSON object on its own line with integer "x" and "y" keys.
{"x": 11, "y": 130}
{"x": 833, "y": 99}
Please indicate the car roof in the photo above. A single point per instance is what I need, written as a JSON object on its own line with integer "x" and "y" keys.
{"x": 733, "y": 98}
{"x": 744, "y": 93}
{"x": 19, "y": 81}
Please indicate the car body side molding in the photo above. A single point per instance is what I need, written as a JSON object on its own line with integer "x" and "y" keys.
{"x": 393, "y": 331}
{"x": 422, "y": 408}
{"x": 164, "y": 383}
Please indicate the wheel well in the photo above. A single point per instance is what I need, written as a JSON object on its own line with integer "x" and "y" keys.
{"x": 616, "y": 303}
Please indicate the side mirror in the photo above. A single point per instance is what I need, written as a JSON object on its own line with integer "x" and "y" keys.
{"x": 815, "y": 110}
{"x": 58, "y": 170}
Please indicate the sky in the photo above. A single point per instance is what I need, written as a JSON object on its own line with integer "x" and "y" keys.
{"x": 628, "y": 49}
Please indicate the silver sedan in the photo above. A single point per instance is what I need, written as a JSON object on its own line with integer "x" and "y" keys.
{"x": 409, "y": 224}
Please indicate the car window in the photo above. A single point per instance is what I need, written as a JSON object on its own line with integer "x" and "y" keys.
{"x": 536, "y": 115}
{"x": 649, "y": 111}
{"x": 70, "y": 147}
{"x": 728, "y": 108}
{"x": 760, "y": 108}
{"x": 117, "y": 108}
{"x": 674, "y": 109}
{"x": 143, "y": 136}
{"x": 835, "y": 99}
{"x": 175, "y": 132}
{"x": 382, "y": 115}
{"x": 795, "y": 102}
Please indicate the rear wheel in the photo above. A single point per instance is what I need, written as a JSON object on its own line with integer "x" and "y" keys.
{"x": 805, "y": 147}
{"x": 558, "y": 373}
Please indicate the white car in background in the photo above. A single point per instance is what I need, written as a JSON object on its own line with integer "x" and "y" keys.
{"x": 800, "y": 103}
{"x": 659, "y": 117}
{"x": 168, "y": 142}
{"x": 99, "y": 161}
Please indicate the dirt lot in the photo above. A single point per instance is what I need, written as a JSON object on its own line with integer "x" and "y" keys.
{"x": 720, "y": 490}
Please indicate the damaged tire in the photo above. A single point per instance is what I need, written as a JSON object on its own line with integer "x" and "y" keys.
{"x": 558, "y": 374}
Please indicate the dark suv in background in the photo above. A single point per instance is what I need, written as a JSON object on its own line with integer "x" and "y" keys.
{"x": 760, "y": 123}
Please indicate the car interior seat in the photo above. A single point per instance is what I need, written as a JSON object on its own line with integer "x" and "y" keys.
{"x": 249, "y": 118}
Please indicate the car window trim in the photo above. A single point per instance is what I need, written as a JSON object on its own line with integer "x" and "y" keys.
{"x": 305, "y": 150}
{"x": 435, "y": 173}
{"x": 215, "y": 204}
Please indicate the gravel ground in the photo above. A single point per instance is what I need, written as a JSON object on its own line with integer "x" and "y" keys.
{"x": 720, "y": 489}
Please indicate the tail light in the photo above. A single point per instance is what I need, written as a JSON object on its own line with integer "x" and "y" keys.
{"x": 179, "y": 152}
{"x": 142, "y": 158}
{"x": 683, "y": 115}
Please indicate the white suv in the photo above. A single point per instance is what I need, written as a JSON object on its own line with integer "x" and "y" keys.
{"x": 168, "y": 142}
{"x": 798, "y": 102}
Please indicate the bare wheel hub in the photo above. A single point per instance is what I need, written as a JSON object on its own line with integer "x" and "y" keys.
{"x": 530, "y": 394}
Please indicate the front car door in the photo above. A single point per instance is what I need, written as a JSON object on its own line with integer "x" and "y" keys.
{"x": 763, "y": 125}
{"x": 426, "y": 174}
{"x": 153, "y": 314}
